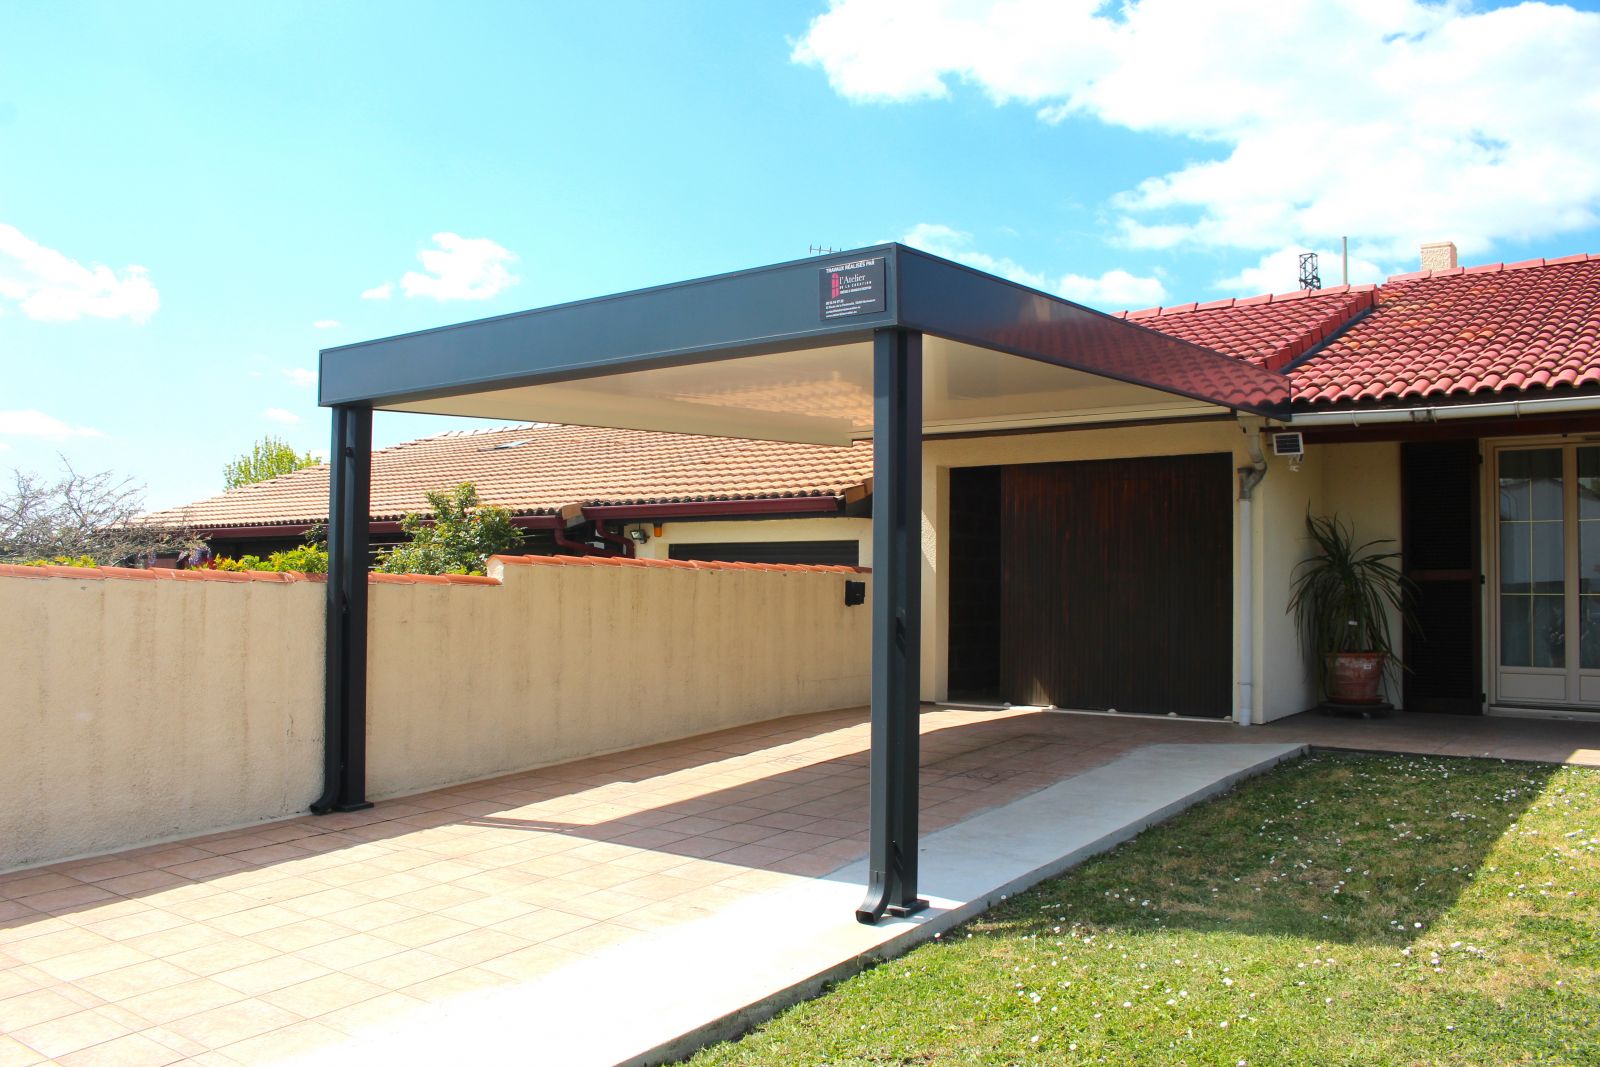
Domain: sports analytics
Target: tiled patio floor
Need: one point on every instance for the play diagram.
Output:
(249, 946)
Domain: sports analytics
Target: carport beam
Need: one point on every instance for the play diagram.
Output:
(896, 623)
(345, 664)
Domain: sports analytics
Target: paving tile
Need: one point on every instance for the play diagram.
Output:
(126, 982)
(255, 920)
(239, 1021)
(350, 951)
(372, 915)
(293, 1040)
(319, 996)
(302, 934)
(174, 1002)
(275, 973)
(533, 962)
(75, 965)
(32, 884)
(60, 942)
(131, 1050)
(403, 969)
(456, 984)
(369, 1015)
(30, 1009)
(219, 956)
(69, 1033)
(477, 946)
(14, 1053)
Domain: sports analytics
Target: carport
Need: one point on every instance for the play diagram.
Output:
(883, 342)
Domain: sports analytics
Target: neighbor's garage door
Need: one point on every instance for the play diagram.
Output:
(1114, 583)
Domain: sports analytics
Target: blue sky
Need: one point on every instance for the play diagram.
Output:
(195, 199)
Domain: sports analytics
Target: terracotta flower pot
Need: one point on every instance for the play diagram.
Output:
(1354, 677)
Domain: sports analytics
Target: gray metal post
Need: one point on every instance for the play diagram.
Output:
(896, 623)
(345, 664)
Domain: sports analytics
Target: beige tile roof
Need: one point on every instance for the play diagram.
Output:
(539, 469)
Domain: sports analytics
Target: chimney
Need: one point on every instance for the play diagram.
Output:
(1439, 255)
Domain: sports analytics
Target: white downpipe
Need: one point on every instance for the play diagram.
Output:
(1249, 478)
(1498, 409)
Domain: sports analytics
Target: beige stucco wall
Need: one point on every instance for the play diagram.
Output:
(565, 661)
(1283, 684)
(828, 528)
(133, 711)
(1361, 484)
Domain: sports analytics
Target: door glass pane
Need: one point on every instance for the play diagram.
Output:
(1516, 570)
(1589, 632)
(1533, 557)
(1549, 631)
(1545, 469)
(1589, 482)
(1515, 504)
(1516, 634)
(1588, 490)
(1549, 559)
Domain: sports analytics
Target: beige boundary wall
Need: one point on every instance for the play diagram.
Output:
(137, 706)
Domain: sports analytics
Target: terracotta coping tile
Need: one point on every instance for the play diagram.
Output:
(699, 565)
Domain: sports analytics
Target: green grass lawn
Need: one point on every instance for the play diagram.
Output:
(1340, 910)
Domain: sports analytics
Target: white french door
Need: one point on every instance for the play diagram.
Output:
(1546, 574)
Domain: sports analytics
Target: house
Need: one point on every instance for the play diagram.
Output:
(587, 490)
(1450, 410)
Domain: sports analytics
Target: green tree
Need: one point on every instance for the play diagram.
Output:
(459, 537)
(268, 458)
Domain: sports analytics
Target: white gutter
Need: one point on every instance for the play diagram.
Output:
(1438, 412)
(1249, 478)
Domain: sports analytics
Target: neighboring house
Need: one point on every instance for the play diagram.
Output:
(581, 490)
(1102, 557)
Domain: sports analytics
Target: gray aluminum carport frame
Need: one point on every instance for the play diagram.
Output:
(765, 312)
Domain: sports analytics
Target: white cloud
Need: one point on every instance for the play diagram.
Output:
(30, 423)
(1114, 290)
(1393, 122)
(326, 324)
(283, 415)
(300, 376)
(461, 268)
(47, 285)
(378, 292)
(1279, 272)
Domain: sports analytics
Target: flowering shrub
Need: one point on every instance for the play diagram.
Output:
(306, 559)
(61, 561)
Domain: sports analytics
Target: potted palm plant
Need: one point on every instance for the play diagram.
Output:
(1341, 601)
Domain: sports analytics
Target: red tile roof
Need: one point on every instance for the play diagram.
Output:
(1446, 335)
(1431, 335)
(1269, 331)
(540, 469)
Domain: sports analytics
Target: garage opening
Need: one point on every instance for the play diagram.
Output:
(1094, 585)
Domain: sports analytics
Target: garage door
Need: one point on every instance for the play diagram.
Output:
(1095, 585)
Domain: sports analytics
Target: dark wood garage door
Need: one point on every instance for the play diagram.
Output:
(1114, 584)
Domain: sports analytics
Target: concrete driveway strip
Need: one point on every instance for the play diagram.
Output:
(658, 997)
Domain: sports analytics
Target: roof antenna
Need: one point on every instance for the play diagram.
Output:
(819, 250)
(1344, 247)
(1309, 278)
